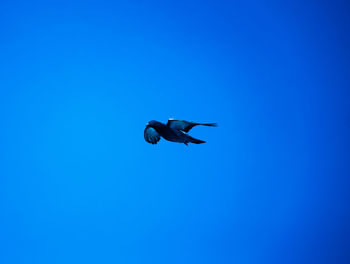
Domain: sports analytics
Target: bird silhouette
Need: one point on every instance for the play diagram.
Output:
(174, 130)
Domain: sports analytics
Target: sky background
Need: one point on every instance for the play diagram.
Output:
(80, 79)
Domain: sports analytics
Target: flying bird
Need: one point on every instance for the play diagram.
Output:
(174, 130)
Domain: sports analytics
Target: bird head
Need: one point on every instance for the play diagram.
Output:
(153, 124)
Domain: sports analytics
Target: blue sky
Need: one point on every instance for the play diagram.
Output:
(80, 79)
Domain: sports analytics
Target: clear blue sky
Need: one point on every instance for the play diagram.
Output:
(80, 79)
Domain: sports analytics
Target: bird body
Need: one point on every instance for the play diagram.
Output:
(174, 131)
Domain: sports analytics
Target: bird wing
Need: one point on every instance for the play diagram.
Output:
(151, 135)
(185, 125)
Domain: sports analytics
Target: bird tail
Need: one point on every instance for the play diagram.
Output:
(194, 140)
(209, 124)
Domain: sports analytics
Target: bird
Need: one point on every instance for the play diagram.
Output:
(174, 130)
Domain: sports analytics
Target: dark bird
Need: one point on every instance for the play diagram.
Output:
(174, 130)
